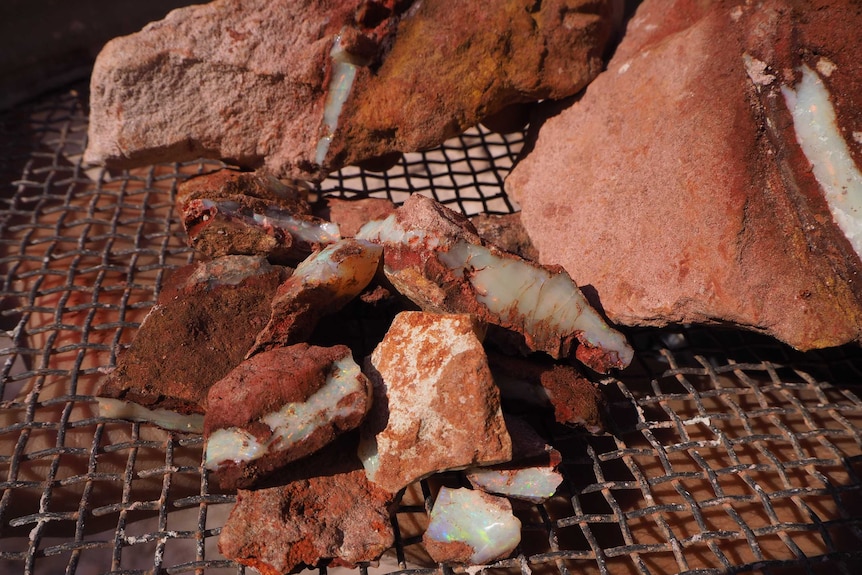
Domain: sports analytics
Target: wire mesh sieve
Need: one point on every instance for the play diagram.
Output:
(726, 452)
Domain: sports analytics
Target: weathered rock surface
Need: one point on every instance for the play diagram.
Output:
(677, 188)
(434, 257)
(201, 327)
(435, 404)
(280, 406)
(325, 509)
(306, 87)
(351, 215)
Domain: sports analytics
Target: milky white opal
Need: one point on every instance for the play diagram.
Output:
(533, 484)
(816, 127)
(164, 418)
(482, 521)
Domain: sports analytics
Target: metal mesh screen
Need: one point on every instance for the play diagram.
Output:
(726, 451)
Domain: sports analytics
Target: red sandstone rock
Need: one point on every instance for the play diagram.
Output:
(676, 186)
(435, 405)
(336, 513)
(203, 324)
(258, 82)
(283, 404)
(350, 215)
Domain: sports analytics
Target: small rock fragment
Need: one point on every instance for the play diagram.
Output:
(472, 527)
(531, 475)
(434, 257)
(435, 405)
(575, 399)
(279, 406)
(320, 285)
(507, 233)
(325, 509)
(351, 215)
(229, 212)
(202, 325)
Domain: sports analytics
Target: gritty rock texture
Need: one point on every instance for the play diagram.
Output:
(263, 385)
(250, 81)
(506, 232)
(334, 513)
(240, 213)
(435, 404)
(350, 215)
(676, 187)
(201, 327)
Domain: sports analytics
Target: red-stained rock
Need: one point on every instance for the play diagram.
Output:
(250, 81)
(506, 232)
(289, 402)
(203, 324)
(676, 186)
(350, 215)
(435, 405)
(334, 512)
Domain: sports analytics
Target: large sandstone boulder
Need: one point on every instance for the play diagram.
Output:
(687, 185)
(307, 86)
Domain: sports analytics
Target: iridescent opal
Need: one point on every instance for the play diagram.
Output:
(480, 521)
(533, 484)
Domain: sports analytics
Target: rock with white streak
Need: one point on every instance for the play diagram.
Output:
(305, 87)
(435, 404)
(711, 174)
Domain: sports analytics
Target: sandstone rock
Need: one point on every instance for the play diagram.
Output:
(280, 406)
(434, 257)
(676, 186)
(307, 87)
(351, 215)
(325, 509)
(201, 327)
(506, 232)
(435, 405)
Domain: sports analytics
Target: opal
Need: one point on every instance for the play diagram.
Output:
(482, 522)
(533, 484)
(164, 418)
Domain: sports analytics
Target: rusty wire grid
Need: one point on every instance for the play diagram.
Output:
(726, 452)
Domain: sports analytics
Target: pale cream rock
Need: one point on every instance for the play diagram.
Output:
(533, 484)
(164, 418)
(435, 404)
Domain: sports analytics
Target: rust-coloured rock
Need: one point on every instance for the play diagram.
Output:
(676, 186)
(435, 404)
(306, 87)
(350, 215)
(506, 232)
(201, 327)
(325, 509)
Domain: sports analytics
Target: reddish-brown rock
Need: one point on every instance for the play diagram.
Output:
(201, 327)
(258, 82)
(435, 404)
(506, 232)
(676, 186)
(326, 509)
(280, 406)
(350, 215)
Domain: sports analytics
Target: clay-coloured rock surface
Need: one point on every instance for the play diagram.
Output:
(325, 509)
(676, 186)
(308, 86)
(435, 404)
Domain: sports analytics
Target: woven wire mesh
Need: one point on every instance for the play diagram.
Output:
(726, 452)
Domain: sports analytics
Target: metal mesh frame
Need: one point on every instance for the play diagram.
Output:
(726, 451)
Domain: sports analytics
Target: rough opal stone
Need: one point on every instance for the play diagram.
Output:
(471, 526)
(533, 484)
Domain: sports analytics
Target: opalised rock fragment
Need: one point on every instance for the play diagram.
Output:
(324, 509)
(469, 526)
(229, 212)
(305, 87)
(203, 324)
(279, 406)
(321, 284)
(164, 418)
(690, 193)
(351, 215)
(531, 475)
(435, 405)
(506, 232)
(434, 257)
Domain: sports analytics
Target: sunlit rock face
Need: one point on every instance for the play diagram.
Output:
(435, 405)
(279, 406)
(434, 257)
(305, 87)
(685, 186)
(471, 527)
